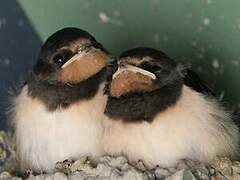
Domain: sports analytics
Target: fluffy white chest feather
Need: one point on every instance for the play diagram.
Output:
(195, 128)
(45, 137)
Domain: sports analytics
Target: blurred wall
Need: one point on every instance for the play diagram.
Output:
(204, 32)
(18, 47)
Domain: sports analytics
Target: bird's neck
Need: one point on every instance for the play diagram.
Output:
(143, 106)
(56, 95)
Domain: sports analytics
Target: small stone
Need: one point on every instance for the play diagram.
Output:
(79, 164)
(76, 176)
(223, 165)
(188, 175)
(3, 153)
(114, 162)
(201, 175)
(236, 167)
(172, 170)
(59, 176)
(176, 176)
(64, 166)
(161, 173)
(182, 165)
(149, 175)
(198, 169)
(5, 175)
(140, 165)
(212, 171)
(28, 173)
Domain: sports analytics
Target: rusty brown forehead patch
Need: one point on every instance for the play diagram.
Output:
(129, 81)
(87, 66)
(135, 60)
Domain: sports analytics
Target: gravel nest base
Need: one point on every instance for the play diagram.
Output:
(117, 168)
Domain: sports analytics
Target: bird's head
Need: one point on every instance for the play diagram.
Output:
(141, 83)
(70, 55)
(71, 66)
(143, 70)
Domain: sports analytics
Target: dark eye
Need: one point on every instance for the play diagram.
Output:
(152, 68)
(62, 57)
(157, 68)
(59, 59)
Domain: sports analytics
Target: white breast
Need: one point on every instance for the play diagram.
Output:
(45, 137)
(195, 128)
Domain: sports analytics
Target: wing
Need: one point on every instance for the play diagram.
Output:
(192, 80)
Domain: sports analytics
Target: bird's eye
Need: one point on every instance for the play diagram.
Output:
(62, 57)
(152, 68)
(59, 59)
(157, 68)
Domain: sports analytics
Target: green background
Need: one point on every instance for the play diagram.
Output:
(205, 33)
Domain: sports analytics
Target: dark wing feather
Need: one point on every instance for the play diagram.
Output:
(192, 80)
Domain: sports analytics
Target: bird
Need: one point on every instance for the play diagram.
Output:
(161, 112)
(56, 114)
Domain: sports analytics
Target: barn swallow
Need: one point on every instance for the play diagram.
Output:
(57, 112)
(161, 112)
